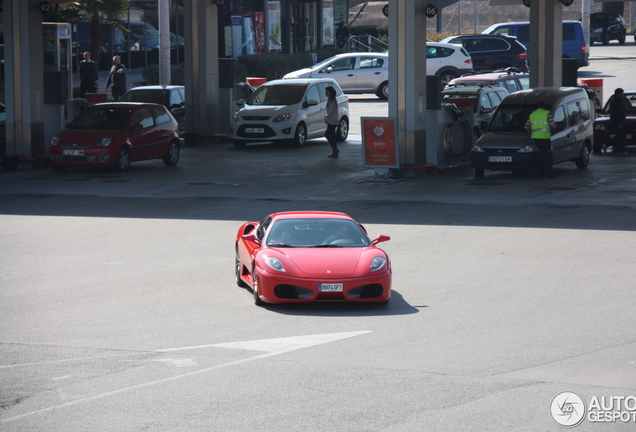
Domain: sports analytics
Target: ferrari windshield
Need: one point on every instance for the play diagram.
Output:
(102, 118)
(510, 118)
(316, 233)
(280, 94)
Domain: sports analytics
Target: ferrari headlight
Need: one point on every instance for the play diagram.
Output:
(527, 149)
(378, 263)
(105, 142)
(55, 141)
(477, 149)
(275, 264)
(281, 118)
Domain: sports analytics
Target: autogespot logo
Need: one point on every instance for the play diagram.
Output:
(568, 409)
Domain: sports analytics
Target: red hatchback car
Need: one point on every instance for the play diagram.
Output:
(311, 256)
(603, 131)
(115, 134)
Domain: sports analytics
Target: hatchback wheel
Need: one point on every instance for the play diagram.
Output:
(300, 136)
(343, 130)
(172, 157)
(123, 160)
(383, 90)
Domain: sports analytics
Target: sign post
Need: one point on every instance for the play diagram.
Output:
(380, 144)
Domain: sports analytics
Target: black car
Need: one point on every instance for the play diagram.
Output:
(492, 52)
(172, 97)
(607, 26)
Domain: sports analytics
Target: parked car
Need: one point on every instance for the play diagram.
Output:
(603, 132)
(574, 45)
(172, 97)
(492, 52)
(510, 79)
(288, 110)
(358, 73)
(485, 100)
(294, 257)
(116, 134)
(355, 73)
(607, 26)
(506, 145)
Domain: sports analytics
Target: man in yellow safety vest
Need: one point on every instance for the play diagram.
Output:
(540, 124)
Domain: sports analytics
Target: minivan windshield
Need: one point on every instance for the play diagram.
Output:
(510, 118)
(279, 94)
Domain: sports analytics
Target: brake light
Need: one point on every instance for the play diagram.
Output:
(468, 61)
(523, 55)
(583, 48)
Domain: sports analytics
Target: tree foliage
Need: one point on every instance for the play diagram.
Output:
(95, 11)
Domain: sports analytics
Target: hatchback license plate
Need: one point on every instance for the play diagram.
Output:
(74, 153)
(499, 158)
(330, 287)
(254, 130)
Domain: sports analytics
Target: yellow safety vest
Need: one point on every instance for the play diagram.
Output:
(539, 124)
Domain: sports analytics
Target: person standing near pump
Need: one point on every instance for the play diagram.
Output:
(540, 124)
(88, 75)
(618, 117)
(331, 118)
(117, 78)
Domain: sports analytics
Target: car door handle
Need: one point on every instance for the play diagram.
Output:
(377, 73)
(350, 75)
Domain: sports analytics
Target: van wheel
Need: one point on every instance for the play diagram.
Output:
(584, 159)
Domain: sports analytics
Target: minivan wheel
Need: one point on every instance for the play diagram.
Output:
(300, 136)
(584, 159)
(343, 130)
(383, 91)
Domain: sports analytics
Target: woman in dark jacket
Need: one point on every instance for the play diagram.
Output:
(331, 118)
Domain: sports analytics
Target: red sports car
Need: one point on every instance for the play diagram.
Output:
(311, 256)
(115, 134)
(603, 131)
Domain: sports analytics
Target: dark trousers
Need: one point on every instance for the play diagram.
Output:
(619, 140)
(87, 86)
(545, 156)
(117, 92)
(330, 134)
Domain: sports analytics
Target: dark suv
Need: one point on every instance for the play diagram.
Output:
(492, 52)
(607, 26)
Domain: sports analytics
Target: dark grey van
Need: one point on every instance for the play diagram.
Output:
(506, 145)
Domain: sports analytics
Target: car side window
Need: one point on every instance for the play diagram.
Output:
(577, 114)
(485, 102)
(525, 83)
(262, 227)
(437, 52)
(313, 94)
(175, 98)
(143, 117)
(497, 45)
(559, 116)
(342, 64)
(371, 62)
(494, 99)
(504, 30)
(511, 86)
(161, 115)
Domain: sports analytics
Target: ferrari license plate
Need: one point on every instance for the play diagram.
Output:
(254, 130)
(330, 287)
(73, 152)
(499, 158)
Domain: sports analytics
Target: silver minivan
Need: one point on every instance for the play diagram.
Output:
(506, 145)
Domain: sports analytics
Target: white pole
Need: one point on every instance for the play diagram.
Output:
(585, 22)
(164, 42)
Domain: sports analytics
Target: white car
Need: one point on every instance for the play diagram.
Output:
(356, 73)
(288, 110)
(369, 72)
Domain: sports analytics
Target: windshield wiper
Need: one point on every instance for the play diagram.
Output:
(326, 246)
(279, 245)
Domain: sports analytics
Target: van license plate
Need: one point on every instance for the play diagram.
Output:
(330, 287)
(254, 130)
(499, 158)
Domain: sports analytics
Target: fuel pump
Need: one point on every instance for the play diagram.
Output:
(58, 77)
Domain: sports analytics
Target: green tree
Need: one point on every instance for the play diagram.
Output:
(95, 11)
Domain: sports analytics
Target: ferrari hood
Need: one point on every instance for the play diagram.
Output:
(317, 262)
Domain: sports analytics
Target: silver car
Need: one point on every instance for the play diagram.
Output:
(290, 110)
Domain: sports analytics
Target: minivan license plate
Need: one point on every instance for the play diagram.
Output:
(499, 158)
(330, 287)
(254, 130)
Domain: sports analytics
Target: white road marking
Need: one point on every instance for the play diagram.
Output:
(272, 347)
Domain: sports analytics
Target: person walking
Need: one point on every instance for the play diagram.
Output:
(117, 78)
(618, 119)
(88, 75)
(540, 124)
(331, 118)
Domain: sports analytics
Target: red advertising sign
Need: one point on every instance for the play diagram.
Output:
(380, 143)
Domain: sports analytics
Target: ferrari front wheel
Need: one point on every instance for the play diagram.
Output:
(257, 299)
